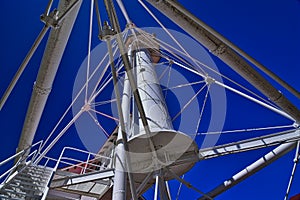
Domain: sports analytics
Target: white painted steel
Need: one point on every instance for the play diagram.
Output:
(251, 169)
(119, 188)
(151, 95)
(169, 144)
(250, 144)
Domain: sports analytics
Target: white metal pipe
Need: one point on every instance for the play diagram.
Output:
(239, 92)
(156, 186)
(23, 66)
(123, 9)
(250, 144)
(120, 178)
(61, 133)
(52, 56)
(280, 112)
(296, 160)
(119, 187)
(251, 169)
(123, 163)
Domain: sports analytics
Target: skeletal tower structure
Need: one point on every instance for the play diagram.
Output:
(144, 149)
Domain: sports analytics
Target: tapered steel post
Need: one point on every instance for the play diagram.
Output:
(55, 47)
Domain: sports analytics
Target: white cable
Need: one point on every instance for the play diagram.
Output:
(247, 130)
(168, 47)
(100, 103)
(241, 93)
(105, 115)
(202, 109)
(93, 95)
(179, 188)
(122, 7)
(89, 51)
(166, 30)
(98, 124)
(184, 85)
(189, 102)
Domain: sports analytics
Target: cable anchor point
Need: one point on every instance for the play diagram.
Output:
(209, 80)
(106, 32)
(51, 20)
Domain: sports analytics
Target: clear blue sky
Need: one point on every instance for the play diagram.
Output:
(267, 30)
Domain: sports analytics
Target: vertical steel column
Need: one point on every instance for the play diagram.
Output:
(128, 68)
(163, 191)
(119, 188)
(160, 189)
(156, 186)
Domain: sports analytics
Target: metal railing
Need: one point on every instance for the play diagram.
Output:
(85, 162)
(88, 162)
(23, 157)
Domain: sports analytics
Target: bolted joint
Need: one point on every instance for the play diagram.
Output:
(41, 90)
(51, 19)
(86, 107)
(146, 41)
(209, 80)
(296, 125)
(219, 50)
(119, 141)
(106, 32)
(130, 25)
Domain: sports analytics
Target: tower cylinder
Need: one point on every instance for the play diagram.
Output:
(151, 94)
(163, 146)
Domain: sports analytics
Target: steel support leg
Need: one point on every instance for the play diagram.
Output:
(251, 169)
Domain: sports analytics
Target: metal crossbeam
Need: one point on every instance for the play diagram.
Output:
(250, 144)
(251, 169)
(83, 178)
